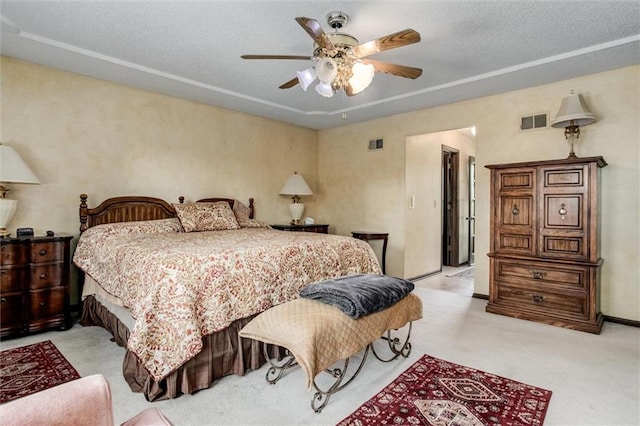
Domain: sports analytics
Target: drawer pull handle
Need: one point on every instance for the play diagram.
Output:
(536, 298)
(42, 303)
(538, 275)
(43, 252)
(3, 272)
(515, 211)
(43, 276)
(563, 211)
(2, 300)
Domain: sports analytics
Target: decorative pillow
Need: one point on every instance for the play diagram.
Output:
(158, 226)
(196, 217)
(242, 216)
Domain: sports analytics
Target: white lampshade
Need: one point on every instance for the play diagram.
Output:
(362, 77)
(13, 170)
(573, 112)
(306, 77)
(324, 89)
(296, 186)
(326, 70)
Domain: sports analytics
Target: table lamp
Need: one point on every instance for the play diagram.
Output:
(573, 113)
(12, 170)
(296, 186)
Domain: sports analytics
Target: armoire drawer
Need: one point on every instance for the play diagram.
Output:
(541, 274)
(574, 304)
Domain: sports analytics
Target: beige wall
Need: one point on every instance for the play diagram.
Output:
(84, 135)
(367, 190)
(423, 185)
(80, 134)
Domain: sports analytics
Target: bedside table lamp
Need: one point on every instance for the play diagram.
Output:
(12, 170)
(296, 186)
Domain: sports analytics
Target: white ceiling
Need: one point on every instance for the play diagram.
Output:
(192, 49)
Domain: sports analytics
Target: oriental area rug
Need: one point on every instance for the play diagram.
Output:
(437, 392)
(31, 369)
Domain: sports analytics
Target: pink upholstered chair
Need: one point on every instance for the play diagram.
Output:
(86, 401)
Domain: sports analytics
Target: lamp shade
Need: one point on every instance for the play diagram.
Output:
(327, 70)
(362, 77)
(13, 169)
(306, 77)
(324, 89)
(573, 112)
(296, 185)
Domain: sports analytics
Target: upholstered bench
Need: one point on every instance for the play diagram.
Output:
(317, 335)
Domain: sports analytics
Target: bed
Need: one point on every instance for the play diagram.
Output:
(175, 292)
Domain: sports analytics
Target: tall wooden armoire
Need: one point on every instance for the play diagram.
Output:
(545, 258)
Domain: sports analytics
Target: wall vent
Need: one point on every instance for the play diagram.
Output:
(534, 122)
(375, 144)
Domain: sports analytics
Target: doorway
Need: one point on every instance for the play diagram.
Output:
(437, 196)
(450, 235)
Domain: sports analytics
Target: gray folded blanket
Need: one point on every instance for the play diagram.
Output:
(359, 295)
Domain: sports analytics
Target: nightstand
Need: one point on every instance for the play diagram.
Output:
(367, 236)
(320, 229)
(34, 284)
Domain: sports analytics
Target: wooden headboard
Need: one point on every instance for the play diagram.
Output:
(135, 208)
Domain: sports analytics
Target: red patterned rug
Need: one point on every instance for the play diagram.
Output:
(32, 368)
(436, 392)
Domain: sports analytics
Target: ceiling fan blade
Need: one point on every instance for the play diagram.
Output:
(394, 69)
(313, 28)
(289, 84)
(391, 41)
(275, 57)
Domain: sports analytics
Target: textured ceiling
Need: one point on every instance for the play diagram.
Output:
(192, 49)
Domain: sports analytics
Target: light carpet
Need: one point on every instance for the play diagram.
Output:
(594, 378)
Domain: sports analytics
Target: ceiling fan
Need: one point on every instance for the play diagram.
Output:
(340, 62)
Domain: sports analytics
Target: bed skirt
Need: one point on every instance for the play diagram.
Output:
(223, 353)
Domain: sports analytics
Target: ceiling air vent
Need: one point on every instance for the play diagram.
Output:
(375, 144)
(534, 122)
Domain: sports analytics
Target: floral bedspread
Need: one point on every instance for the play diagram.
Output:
(181, 286)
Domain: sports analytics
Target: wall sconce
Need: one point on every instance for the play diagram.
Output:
(12, 170)
(573, 113)
(296, 186)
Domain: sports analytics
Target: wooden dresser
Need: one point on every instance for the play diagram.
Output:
(545, 258)
(34, 276)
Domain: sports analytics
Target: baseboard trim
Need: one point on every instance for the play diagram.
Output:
(427, 275)
(622, 321)
(480, 296)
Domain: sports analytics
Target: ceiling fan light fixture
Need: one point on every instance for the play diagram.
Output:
(306, 77)
(324, 89)
(362, 77)
(327, 70)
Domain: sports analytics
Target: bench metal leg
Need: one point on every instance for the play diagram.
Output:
(394, 345)
(321, 397)
(275, 371)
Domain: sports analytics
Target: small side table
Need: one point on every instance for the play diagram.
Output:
(367, 236)
(317, 228)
